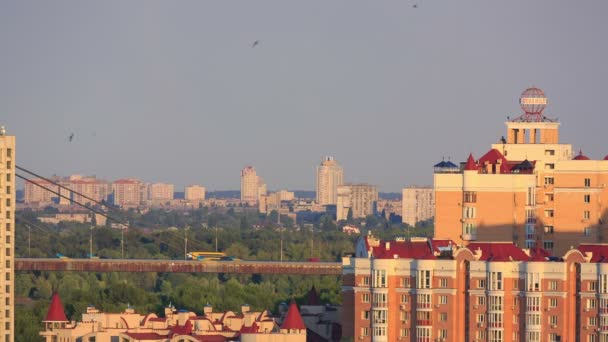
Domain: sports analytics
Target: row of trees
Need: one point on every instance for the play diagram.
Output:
(161, 234)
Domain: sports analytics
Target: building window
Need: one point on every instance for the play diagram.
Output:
(603, 280)
(481, 318)
(552, 302)
(548, 244)
(549, 213)
(553, 320)
(495, 303)
(587, 198)
(587, 231)
(591, 303)
(532, 282)
(379, 279)
(443, 317)
(548, 229)
(550, 166)
(495, 280)
(549, 152)
(481, 300)
(8, 252)
(405, 299)
(405, 332)
(592, 285)
(8, 227)
(365, 315)
(549, 180)
(443, 299)
(481, 284)
(8, 202)
(515, 284)
(470, 197)
(469, 212)
(587, 182)
(548, 197)
(365, 298)
(593, 320)
(443, 334)
(364, 331)
(424, 279)
(365, 281)
(553, 285)
(443, 283)
(586, 214)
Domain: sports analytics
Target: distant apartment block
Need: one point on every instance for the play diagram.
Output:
(252, 186)
(129, 192)
(330, 175)
(389, 207)
(358, 198)
(273, 201)
(89, 187)
(418, 204)
(36, 195)
(160, 192)
(195, 193)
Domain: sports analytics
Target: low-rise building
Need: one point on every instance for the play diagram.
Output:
(175, 326)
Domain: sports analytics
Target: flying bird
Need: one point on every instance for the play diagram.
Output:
(71, 137)
(255, 43)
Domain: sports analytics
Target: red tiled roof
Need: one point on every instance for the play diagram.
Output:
(185, 329)
(56, 313)
(471, 165)
(498, 251)
(600, 252)
(408, 249)
(293, 319)
(492, 157)
(210, 338)
(145, 336)
(158, 319)
(251, 329)
(539, 254)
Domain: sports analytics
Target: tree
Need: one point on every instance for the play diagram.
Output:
(349, 216)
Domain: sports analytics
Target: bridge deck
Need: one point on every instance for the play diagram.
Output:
(178, 266)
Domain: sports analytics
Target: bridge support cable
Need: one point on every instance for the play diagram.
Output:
(63, 187)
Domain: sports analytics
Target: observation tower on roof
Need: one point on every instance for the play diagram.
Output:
(533, 126)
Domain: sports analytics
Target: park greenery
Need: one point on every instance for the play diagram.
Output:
(162, 234)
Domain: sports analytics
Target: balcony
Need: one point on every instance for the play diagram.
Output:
(424, 322)
(423, 306)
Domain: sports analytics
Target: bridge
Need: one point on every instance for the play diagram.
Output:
(178, 266)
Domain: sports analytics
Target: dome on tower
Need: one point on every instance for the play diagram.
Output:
(580, 156)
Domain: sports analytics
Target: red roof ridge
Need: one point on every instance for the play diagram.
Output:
(56, 313)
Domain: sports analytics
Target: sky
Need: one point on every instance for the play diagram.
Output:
(174, 91)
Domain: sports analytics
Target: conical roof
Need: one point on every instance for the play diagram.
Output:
(293, 320)
(312, 298)
(470, 165)
(56, 313)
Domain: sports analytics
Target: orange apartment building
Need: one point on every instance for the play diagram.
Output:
(427, 290)
(527, 188)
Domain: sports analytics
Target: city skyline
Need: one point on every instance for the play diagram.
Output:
(370, 84)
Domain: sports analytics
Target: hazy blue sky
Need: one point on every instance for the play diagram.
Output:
(172, 91)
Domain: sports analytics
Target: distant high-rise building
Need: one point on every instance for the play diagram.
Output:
(36, 195)
(128, 192)
(329, 176)
(160, 192)
(252, 186)
(7, 224)
(358, 198)
(418, 204)
(195, 193)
